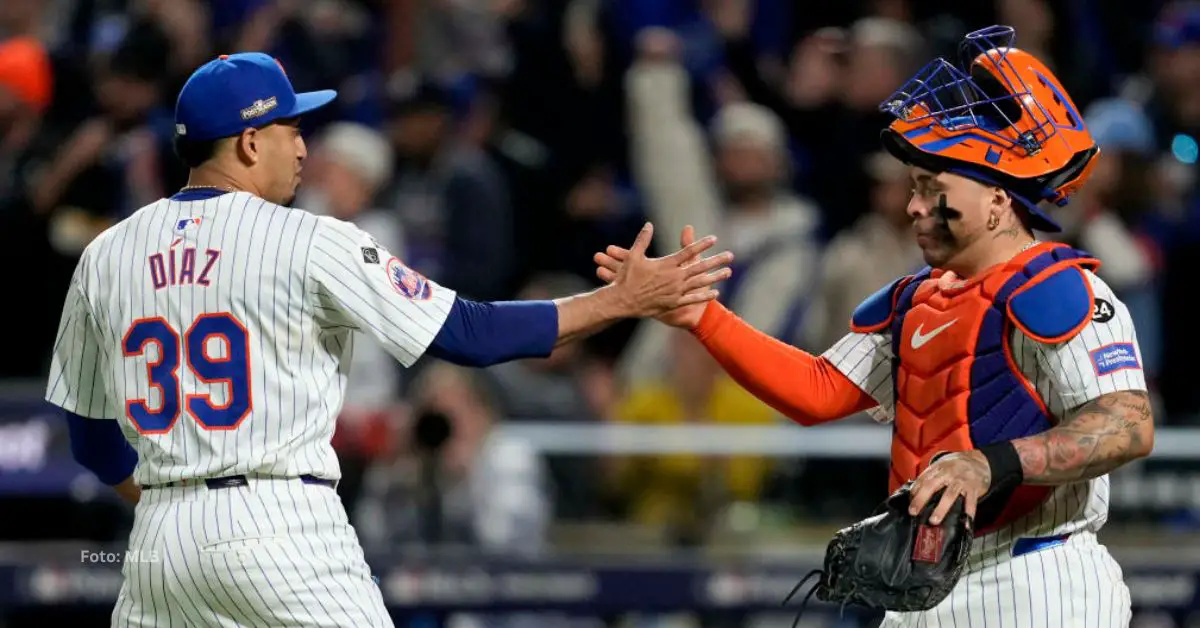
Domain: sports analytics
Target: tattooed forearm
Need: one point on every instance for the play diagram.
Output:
(1101, 436)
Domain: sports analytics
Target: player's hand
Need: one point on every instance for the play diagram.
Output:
(966, 474)
(610, 263)
(129, 490)
(653, 286)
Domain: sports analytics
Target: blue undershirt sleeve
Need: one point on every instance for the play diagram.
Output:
(101, 448)
(482, 334)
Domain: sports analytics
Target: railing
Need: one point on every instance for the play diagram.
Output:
(783, 440)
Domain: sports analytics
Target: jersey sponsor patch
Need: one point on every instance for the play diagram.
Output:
(370, 255)
(928, 546)
(407, 281)
(1114, 357)
(1102, 311)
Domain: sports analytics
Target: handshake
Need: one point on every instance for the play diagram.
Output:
(674, 289)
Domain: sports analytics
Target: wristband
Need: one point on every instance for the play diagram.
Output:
(1005, 464)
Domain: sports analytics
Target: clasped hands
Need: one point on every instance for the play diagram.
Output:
(686, 278)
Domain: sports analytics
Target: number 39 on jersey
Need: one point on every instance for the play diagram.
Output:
(215, 349)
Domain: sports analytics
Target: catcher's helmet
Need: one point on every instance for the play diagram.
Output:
(1001, 118)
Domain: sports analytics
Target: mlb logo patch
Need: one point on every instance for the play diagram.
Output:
(187, 223)
(407, 281)
(1114, 357)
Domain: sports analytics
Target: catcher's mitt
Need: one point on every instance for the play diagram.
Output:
(894, 561)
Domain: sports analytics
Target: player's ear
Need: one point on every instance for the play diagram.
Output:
(999, 202)
(247, 146)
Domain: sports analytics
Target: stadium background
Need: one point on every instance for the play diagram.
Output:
(496, 144)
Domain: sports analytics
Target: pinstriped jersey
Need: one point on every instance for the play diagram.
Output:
(219, 333)
(1102, 358)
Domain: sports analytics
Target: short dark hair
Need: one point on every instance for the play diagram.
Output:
(193, 153)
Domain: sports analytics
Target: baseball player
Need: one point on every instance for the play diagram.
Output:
(204, 348)
(1010, 372)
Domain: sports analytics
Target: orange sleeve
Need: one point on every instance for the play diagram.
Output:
(805, 388)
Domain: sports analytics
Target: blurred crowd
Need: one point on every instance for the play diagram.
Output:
(496, 144)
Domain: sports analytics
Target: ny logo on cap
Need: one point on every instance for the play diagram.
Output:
(259, 108)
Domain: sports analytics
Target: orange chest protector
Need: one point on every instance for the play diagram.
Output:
(956, 383)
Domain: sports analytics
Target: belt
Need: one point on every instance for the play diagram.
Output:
(1037, 543)
(233, 481)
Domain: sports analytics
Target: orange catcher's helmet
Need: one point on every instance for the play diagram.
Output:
(1001, 118)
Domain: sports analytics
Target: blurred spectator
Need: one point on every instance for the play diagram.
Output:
(110, 164)
(805, 94)
(558, 116)
(460, 37)
(600, 208)
(563, 96)
(26, 89)
(1172, 100)
(491, 489)
(348, 165)
(567, 387)
(1035, 23)
(738, 190)
(883, 54)
(26, 85)
(240, 25)
(451, 197)
(828, 100)
(1174, 67)
(1108, 217)
(186, 24)
(872, 253)
(686, 493)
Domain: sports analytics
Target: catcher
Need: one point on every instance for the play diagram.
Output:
(1010, 371)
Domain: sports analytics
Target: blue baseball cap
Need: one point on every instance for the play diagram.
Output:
(236, 92)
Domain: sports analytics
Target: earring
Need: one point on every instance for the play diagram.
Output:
(993, 222)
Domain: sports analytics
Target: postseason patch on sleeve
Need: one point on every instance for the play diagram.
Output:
(1114, 357)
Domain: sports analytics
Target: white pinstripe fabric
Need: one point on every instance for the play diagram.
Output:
(1019, 592)
(1074, 585)
(300, 285)
(275, 553)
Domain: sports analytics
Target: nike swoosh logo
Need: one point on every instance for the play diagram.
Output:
(919, 339)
